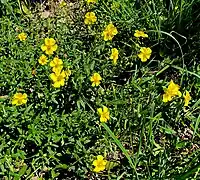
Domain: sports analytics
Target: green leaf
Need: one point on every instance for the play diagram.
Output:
(168, 130)
(181, 144)
(23, 170)
(118, 144)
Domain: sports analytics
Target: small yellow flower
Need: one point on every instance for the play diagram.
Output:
(114, 55)
(19, 99)
(95, 79)
(90, 18)
(99, 163)
(140, 34)
(171, 91)
(22, 36)
(62, 4)
(109, 32)
(49, 46)
(58, 79)
(56, 64)
(43, 60)
(187, 98)
(104, 114)
(144, 54)
(91, 1)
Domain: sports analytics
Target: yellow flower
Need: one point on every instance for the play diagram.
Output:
(99, 163)
(104, 114)
(109, 32)
(90, 18)
(144, 54)
(91, 1)
(56, 64)
(171, 91)
(62, 4)
(167, 97)
(49, 46)
(140, 34)
(187, 98)
(114, 55)
(43, 60)
(58, 79)
(95, 79)
(19, 99)
(22, 36)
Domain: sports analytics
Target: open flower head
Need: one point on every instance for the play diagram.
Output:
(187, 98)
(43, 60)
(171, 91)
(99, 163)
(90, 18)
(56, 64)
(19, 99)
(91, 1)
(144, 54)
(58, 79)
(114, 55)
(49, 46)
(109, 32)
(96, 79)
(140, 34)
(104, 114)
(22, 36)
(62, 4)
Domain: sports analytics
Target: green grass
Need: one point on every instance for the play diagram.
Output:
(57, 133)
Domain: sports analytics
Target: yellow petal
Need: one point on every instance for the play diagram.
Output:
(53, 77)
(96, 169)
(142, 57)
(14, 101)
(49, 51)
(99, 157)
(97, 83)
(55, 47)
(43, 47)
(105, 109)
(24, 101)
(56, 84)
(99, 110)
(179, 94)
(103, 119)
(95, 162)
(49, 41)
(104, 162)
(24, 95)
(62, 82)
(166, 97)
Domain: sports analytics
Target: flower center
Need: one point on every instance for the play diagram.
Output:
(96, 79)
(59, 78)
(49, 47)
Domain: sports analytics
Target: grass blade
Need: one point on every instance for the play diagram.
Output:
(118, 144)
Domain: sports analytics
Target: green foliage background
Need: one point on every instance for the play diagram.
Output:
(57, 134)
